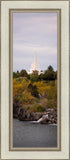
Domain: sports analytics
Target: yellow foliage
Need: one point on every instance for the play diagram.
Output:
(47, 90)
(42, 87)
(18, 87)
(27, 97)
(20, 91)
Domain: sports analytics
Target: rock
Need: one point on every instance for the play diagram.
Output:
(15, 112)
(25, 115)
(38, 115)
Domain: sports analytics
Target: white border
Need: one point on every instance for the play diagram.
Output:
(5, 6)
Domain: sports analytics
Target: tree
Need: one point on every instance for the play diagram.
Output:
(14, 75)
(34, 76)
(18, 74)
(50, 68)
(23, 73)
(41, 76)
(35, 72)
(33, 90)
(49, 74)
(55, 74)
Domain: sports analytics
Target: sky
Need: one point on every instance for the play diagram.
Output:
(34, 32)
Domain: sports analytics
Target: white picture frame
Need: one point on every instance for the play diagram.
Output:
(65, 147)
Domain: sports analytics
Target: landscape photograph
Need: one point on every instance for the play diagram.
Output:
(35, 80)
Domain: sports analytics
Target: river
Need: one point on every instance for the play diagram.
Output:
(28, 134)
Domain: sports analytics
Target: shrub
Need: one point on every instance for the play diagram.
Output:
(37, 108)
(52, 103)
(40, 108)
(40, 94)
(33, 90)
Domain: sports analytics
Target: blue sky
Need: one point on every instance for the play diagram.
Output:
(34, 31)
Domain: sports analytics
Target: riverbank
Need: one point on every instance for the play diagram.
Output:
(47, 117)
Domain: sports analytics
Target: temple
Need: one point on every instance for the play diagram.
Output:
(34, 65)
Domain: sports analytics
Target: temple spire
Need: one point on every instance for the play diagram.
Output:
(34, 66)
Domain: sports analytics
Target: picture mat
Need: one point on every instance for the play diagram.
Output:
(64, 81)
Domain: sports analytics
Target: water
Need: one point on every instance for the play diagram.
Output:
(28, 134)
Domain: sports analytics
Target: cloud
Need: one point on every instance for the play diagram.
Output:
(41, 24)
(26, 48)
(34, 31)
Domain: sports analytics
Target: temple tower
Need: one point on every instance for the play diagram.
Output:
(34, 65)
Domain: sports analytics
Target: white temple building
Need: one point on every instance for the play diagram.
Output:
(34, 65)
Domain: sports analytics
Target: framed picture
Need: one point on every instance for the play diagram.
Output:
(35, 80)
(33, 84)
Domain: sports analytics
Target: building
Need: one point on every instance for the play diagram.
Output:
(34, 65)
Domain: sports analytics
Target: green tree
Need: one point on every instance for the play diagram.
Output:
(41, 76)
(35, 72)
(18, 74)
(55, 74)
(50, 68)
(14, 75)
(49, 75)
(34, 77)
(23, 73)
